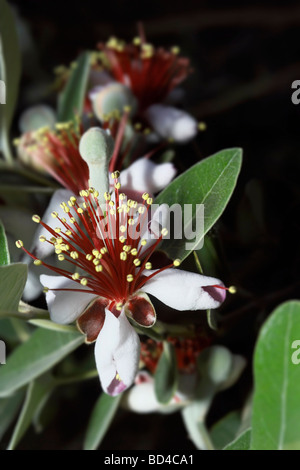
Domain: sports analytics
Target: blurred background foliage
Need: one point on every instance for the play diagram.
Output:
(245, 56)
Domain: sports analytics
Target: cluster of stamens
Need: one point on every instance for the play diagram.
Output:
(103, 243)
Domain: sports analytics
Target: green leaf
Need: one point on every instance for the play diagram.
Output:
(225, 430)
(242, 442)
(276, 405)
(210, 182)
(41, 352)
(72, 98)
(166, 375)
(12, 280)
(4, 253)
(101, 418)
(8, 410)
(10, 72)
(37, 393)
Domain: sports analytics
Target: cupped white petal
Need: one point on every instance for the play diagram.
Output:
(41, 250)
(183, 290)
(145, 175)
(65, 306)
(117, 353)
(172, 123)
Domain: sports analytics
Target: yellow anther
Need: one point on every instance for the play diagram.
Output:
(112, 212)
(57, 230)
(61, 257)
(126, 248)
(92, 190)
(72, 220)
(122, 239)
(149, 201)
(164, 232)
(147, 131)
(131, 221)
(148, 266)
(122, 196)
(73, 199)
(202, 126)
(83, 281)
(74, 254)
(63, 220)
(138, 126)
(137, 41)
(107, 196)
(145, 196)
(79, 210)
(111, 203)
(95, 252)
(123, 256)
(96, 261)
(134, 252)
(75, 276)
(36, 219)
(141, 209)
(58, 251)
(118, 185)
(59, 240)
(96, 194)
(136, 262)
(143, 242)
(98, 268)
(54, 214)
(127, 109)
(19, 244)
(232, 290)
(53, 240)
(177, 262)
(45, 290)
(119, 306)
(37, 262)
(122, 228)
(103, 251)
(129, 277)
(175, 50)
(89, 257)
(83, 193)
(68, 232)
(115, 175)
(42, 238)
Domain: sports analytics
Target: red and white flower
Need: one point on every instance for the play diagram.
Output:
(110, 248)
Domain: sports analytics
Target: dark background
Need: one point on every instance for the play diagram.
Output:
(245, 57)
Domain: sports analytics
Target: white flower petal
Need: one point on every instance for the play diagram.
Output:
(183, 290)
(160, 219)
(142, 399)
(41, 250)
(145, 175)
(117, 351)
(64, 306)
(172, 123)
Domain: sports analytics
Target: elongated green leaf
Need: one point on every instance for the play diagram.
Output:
(101, 418)
(276, 405)
(242, 442)
(210, 182)
(4, 253)
(166, 375)
(37, 392)
(225, 430)
(40, 353)
(10, 71)
(12, 280)
(8, 410)
(72, 98)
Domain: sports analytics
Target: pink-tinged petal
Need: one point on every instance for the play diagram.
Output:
(172, 123)
(117, 353)
(141, 310)
(145, 175)
(183, 290)
(91, 321)
(41, 250)
(64, 306)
